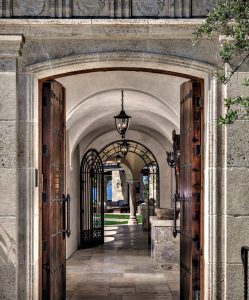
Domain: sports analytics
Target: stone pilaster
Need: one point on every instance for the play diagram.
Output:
(120, 8)
(10, 49)
(236, 188)
(6, 8)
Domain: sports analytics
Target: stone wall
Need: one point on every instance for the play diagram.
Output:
(234, 173)
(165, 249)
(105, 8)
(15, 166)
(59, 47)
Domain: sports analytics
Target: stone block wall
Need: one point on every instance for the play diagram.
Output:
(237, 192)
(10, 164)
(227, 213)
(105, 8)
(165, 249)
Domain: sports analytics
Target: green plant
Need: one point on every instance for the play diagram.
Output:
(231, 19)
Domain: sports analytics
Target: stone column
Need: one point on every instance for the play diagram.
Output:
(133, 208)
(10, 154)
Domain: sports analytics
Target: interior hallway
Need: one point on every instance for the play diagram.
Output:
(121, 269)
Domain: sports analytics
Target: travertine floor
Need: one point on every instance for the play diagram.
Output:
(120, 270)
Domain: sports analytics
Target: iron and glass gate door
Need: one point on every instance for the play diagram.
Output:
(53, 199)
(91, 200)
(191, 190)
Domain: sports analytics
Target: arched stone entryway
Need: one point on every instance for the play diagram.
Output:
(197, 70)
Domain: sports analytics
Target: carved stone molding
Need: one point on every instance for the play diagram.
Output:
(31, 7)
(11, 45)
(91, 7)
(105, 8)
(148, 7)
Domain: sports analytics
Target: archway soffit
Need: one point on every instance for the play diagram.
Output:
(76, 107)
(103, 61)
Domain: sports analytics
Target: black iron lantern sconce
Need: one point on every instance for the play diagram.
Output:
(171, 160)
(124, 147)
(122, 120)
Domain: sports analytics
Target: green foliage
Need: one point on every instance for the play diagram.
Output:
(121, 219)
(231, 19)
(237, 109)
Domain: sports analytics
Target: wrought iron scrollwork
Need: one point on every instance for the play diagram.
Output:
(173, 160)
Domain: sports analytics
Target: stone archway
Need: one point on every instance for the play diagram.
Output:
(160, 63)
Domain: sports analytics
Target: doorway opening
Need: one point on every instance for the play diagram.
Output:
(89, 126)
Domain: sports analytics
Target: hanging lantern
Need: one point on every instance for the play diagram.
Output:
(118, 159)
(122, 120)
(124, 147)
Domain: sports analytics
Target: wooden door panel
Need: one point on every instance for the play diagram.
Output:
(190, 189)
(53, 169)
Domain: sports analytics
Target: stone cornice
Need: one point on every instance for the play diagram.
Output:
(138, 29)
(11, 45)
(144, 21)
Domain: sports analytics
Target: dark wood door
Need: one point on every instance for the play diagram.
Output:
(53, 172)
(191, 190)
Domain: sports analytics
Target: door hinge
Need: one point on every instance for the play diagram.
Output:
(36, 177)
(198, 102)
(198, 197)
(44, 101)
(44, 197)
(44, 246)
(198, 149)
(44, 149)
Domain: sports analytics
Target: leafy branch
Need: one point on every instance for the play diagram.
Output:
(230, 19)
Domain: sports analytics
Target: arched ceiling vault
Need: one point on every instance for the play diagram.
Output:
(153, 101)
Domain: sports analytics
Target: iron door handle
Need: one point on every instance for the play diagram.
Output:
(68, 230)
(66, 215)
(175, 200)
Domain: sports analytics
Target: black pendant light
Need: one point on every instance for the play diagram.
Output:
(122, 120)
(124, 147)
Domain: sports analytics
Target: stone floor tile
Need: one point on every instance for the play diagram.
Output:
(175, 295)
(69, 294)
(122, 291)
(120, 270)
(86, 297)
(148, 297)
(91, 290)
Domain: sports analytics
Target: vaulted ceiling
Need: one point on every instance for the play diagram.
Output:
(153, 101)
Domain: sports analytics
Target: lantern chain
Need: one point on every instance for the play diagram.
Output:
(122, 100)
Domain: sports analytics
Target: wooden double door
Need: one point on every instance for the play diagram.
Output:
(55, 210)
(53, 256)
(191, 191)
(53, 265)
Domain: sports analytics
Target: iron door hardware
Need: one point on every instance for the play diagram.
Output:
(66, 202)
(173, 160)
